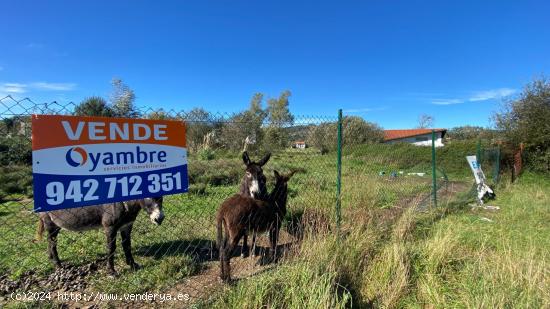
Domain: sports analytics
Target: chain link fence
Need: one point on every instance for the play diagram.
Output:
(180, 255)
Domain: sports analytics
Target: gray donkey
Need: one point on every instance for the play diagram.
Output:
(112, 217)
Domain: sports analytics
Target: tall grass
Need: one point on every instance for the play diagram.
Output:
(447, 258)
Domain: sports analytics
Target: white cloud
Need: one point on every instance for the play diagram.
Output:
(13, 88)
(447, 101)
(485, 95)
(491, 94)
(53, 86)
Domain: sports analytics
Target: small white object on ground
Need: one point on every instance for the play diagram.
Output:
(416, 174)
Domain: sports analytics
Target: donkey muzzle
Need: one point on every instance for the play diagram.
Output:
(157, 217)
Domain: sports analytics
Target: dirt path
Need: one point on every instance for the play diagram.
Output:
(205, 284)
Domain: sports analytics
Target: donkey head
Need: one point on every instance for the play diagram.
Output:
(153, 207)
(280, 191)
(254, 181)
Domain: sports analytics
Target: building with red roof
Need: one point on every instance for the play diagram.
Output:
(419, 137)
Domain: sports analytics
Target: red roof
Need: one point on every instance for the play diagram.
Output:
(398, 134)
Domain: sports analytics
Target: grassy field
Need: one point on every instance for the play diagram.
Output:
(453, 257)
(182, 245)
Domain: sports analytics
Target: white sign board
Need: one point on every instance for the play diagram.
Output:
(482, 187)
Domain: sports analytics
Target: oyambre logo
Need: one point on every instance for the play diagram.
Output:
(83, 156)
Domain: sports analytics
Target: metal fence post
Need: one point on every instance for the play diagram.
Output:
(339, 171)
(478, 151)
(496, 172)
(434, 176)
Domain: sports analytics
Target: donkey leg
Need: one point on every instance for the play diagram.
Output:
(222, 260)
(225, 258)
(254, 244)
(226, 266)
(110, 233)
(245, 249)
(53, 231)
(273, 238)
(125, 234)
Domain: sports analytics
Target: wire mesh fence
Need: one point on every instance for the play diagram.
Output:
(181, 254)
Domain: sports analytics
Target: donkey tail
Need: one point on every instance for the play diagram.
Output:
(219, 235)
(40, 229)
(224, 262)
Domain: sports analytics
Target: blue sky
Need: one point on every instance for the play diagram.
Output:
(387, 61)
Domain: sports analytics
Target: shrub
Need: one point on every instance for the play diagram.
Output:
(15, 150)
(15, 180)
(525, 120)
(356, 131)
(215, 172)
(206, 154)
(93, 106)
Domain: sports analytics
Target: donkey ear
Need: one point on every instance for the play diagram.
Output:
(246, 159)
(290, 175)
(265, 159)
(277, 175)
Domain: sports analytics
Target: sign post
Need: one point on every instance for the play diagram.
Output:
(82, 161)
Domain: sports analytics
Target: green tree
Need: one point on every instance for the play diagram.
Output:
(199, 123)
(356, 131)
(160, 114)
(525, 119)
(246, 126)
(278, 110)
(93, 106)
(8, 125)
(122, 100)
(470, 133)
(234, 132)
(15, 150)
(279, 116)
(253, 120)
(256, 110)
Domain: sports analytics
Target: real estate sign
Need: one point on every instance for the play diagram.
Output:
(476, 169)
(482, 188)
(81, 161)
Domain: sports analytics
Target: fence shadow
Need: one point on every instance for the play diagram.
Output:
(203, 250)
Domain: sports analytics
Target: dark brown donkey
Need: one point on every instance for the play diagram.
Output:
(253, 185)
(112, 217)
(239, 215)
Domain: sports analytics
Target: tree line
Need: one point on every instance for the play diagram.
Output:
(267, 124)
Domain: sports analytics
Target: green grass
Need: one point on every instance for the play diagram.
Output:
(503, 263)
(446, 258)
(451, 159)
(170, 252)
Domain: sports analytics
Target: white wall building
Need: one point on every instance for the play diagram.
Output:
(419, 137)
(299, 145)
